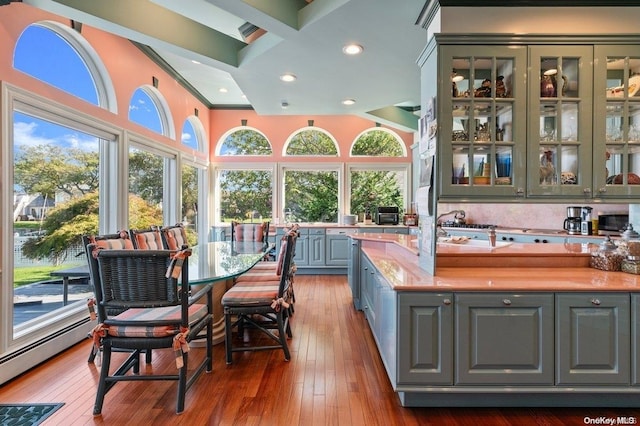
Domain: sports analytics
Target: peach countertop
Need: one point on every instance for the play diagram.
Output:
(396, 257)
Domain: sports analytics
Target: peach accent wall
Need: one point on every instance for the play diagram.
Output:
(127, 66)
(278, 128)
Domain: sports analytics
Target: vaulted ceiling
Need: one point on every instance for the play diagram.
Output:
(244, 46)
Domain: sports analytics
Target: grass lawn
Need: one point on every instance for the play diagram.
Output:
(31, 274)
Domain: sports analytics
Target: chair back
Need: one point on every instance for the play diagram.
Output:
(146, 239)
(174, 237)
(120, 240)
(285, 264)
(140, 279)
(243, 232)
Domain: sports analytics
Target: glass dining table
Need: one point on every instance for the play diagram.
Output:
(218, 263)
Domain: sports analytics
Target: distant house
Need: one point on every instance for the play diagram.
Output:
(31, 207)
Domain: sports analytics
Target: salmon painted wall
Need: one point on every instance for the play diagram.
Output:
(278, 129)
(127, 66)
(129, 69)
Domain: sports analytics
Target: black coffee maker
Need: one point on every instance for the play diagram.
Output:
(573, 222)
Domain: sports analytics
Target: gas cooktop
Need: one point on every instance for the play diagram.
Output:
(452, 224)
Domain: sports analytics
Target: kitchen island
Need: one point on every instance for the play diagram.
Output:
(515, 335)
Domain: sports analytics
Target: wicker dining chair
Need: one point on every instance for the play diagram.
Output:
(159, 312)
(118, 240)
(260, 306)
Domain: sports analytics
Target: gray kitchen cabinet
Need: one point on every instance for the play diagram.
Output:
(425, 345)
(504, 339)
(635, 338)
(302, 246)
(337, 247)
(616, 125)
(400, 230)
(482, 111)
(592, 338)
(538, 117)
(560, 134)
(367, 288)
(353, 271)
(316, 247)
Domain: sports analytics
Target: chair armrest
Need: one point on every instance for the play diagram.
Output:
(206, 288)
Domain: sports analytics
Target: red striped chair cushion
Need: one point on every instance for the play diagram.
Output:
(250, 295)
(196, 312)
(113, 243)
(149, 240)
(258, 275)
(175, 238)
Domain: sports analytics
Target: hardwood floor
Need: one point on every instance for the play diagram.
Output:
(335, 377)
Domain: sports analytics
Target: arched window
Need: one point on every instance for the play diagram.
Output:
(189, 136)
(244, 141)
(59, 56)
(149, 109)
(310, 141)
(378, 143)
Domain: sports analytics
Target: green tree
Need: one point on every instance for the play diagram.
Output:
(66, 223)
(49, 169)
(245, 191)
(311, 142)
(245, 142)
(377, 143)
(312, 196)
(146, 171)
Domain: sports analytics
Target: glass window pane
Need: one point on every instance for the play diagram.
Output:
(144, 111)
(56, 201)
(372, 188)
(190, 191)
(245, 142)
(245, 195)
(311, 196)
(377, 143)
(146, 177)
(311, 142)
(46, 55)
(189, 137)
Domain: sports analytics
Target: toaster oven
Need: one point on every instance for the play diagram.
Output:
(386, 215)
(612, 223)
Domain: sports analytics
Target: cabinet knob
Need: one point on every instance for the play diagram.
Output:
(586, 191)
(603, 189)
(506, 302)
(446, 302)
(520, 192)
(595, 302)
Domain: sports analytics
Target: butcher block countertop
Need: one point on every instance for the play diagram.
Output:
(513, 267)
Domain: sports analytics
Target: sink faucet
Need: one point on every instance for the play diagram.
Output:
(459, 214)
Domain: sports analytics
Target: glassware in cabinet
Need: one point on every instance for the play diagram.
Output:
(559, 155)
(480, 149)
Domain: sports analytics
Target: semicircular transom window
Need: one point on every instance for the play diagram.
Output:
(189, 135)
(144, 110)
(377, 143)
(46, 55)
(311, 142)
(245, 142)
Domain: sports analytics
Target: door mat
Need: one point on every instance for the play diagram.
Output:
(26, 414)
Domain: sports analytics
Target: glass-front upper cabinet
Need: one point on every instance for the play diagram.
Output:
(560, 120)
(482, 102)
(617, 125)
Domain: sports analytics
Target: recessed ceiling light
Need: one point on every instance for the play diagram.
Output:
(288, 77)
(348, 102)
(196, 62)
(352, 49)
(223, 90)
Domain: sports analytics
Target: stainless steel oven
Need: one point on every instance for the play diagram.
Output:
(612, 223)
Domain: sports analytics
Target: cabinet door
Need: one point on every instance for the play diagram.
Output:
(592, 338)
(616, 126)
(337, 250)
(635, 338)
(560, 121)
(482, 107)
(316, 247)
(504, 339)
(353, 271)
(425, 345)
(367, 288)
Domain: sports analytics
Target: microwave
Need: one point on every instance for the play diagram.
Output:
(612, 223)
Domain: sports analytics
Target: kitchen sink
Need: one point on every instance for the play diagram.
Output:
(545, 231)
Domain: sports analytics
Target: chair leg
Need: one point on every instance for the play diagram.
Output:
(102, 384)
(182, 383)
(283, 335)
(147, 356)
(227, 337)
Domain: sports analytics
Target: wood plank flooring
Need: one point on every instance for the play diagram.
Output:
(335, 377)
